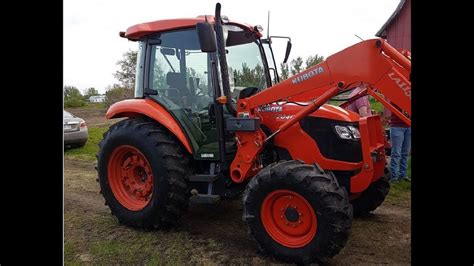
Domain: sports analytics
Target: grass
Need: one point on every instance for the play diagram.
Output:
(400, 191)
(124, 252)
(69, 251)
(107, 242)
(91, 148)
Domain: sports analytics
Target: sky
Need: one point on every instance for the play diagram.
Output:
(92, 45)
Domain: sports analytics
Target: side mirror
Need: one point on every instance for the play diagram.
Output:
(288, 50)
(207, 37)
(288, 46)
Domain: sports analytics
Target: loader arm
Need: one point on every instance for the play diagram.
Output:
(384, 70)
(374, 62)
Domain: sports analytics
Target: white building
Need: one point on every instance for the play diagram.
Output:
(97, 99)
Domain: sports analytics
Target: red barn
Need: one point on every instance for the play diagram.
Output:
(397, 29)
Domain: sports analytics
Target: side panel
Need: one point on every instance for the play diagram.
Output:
(297, 142)
(302, 147)
(137, 107)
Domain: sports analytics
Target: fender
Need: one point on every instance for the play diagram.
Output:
(148, 107)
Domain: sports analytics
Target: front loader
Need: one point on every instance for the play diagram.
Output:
(208, 123)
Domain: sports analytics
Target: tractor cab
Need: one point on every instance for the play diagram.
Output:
(173, 71)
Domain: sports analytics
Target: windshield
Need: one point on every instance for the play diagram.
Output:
(244, 59)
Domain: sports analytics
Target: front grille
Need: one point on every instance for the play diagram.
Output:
(329, 143)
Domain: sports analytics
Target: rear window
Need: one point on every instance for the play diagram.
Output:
(67, 115)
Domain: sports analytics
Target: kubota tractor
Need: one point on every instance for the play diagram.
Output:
(210, 121)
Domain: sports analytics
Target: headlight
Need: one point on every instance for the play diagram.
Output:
(355, 132)
(348, 132)
(343, 132)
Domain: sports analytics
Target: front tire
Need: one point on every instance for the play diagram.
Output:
(143, 174)
(297, 212)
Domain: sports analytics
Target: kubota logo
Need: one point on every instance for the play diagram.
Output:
(270, 108)
(405, 87)
(307, 75)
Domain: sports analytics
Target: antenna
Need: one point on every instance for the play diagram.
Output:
(359, 37)
(268, 25)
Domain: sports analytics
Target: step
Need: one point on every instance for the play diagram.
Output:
(204, 199)
(203, 178)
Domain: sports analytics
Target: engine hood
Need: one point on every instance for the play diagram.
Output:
(277, 113)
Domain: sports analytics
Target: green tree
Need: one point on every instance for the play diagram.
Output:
(159, 76)
(296, 65)
(248, 77)
(117, 93)
(285, 71)
(199, 79)
(313, 60)
(127, 68)
(90, 92)
(71, 91)
(73, 97)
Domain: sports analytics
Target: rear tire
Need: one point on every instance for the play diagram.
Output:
(372, 197)
(297, 213)
(143, 172)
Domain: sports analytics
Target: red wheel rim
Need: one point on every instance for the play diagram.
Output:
(130, 177)
(288, 218)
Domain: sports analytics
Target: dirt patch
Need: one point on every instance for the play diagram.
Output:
(94, 117)
(212, 234)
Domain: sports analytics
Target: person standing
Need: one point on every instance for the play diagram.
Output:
(400, 137)
(361, 105)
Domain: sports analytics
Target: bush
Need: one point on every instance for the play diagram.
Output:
(117, 94)
(74, 102)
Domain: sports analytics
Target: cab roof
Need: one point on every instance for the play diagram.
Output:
(138, 31)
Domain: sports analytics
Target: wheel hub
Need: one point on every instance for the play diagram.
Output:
(289, 218)
(130, 177)
(291, 214)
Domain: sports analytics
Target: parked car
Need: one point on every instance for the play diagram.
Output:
(75, 130)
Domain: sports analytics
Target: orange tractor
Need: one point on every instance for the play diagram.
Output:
(211, 121)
